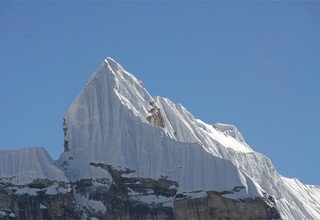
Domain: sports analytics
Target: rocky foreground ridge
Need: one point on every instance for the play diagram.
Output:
(128, 155)
(119, 199)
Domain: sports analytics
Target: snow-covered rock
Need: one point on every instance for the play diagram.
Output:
(108, 123)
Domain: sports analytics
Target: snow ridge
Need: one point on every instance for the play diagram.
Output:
(21, 167)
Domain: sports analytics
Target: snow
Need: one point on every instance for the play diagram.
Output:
(2, 213)
(229, 130)
(182, 126)
(50, 190)
(21, 167)
(43, 206)
(107, 123)
(83, 201)
(196, 194)
(55, 189)
(27, 191)
(150, 198)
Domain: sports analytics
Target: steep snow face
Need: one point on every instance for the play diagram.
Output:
(21, 167)
(226, 141)
(300, 195)
(108, 123)
(229, 130)
(182, 126)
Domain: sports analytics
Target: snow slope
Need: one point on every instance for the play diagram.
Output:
(108, 123)
(21, 167)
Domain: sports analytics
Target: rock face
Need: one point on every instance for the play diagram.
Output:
(216, 206)
(128, 155)
(37, 201)
(103, 199)
(155, 118)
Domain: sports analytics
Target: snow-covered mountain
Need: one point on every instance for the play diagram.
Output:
(21, 167)
(117, 134)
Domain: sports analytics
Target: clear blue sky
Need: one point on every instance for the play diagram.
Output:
(255, 65)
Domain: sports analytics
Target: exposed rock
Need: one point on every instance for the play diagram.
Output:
(66, 142)
(124, 198)
(216, 206)
(32, 201)
(121, 203)
(155, 118)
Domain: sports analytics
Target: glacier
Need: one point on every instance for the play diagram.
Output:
(115, 121)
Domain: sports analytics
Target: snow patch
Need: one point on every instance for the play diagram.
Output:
(196, 194)
(151, 199)
(43, 206)
(2, 213)
(28, 191)
(56, 189)
(83, 201)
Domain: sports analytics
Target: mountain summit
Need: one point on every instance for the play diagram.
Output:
(128, 154)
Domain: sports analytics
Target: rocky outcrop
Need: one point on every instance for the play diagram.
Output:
(125, 197)
(155, 118)
(65, 142)
(40, 199)
(215, 206)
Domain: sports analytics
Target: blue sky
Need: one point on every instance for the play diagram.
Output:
(252, 64)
